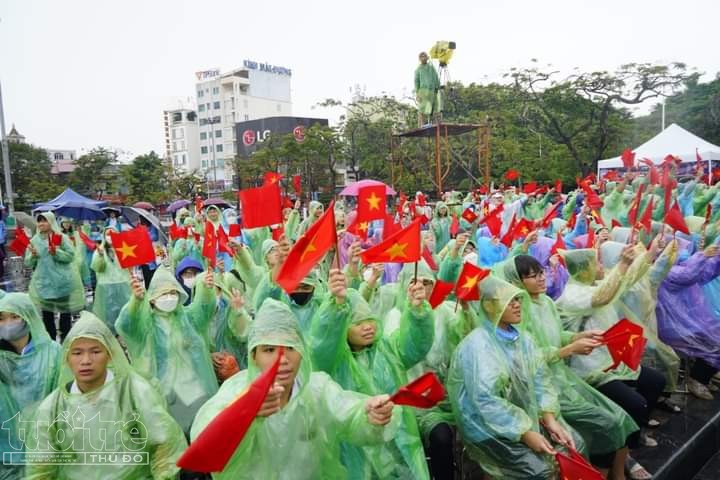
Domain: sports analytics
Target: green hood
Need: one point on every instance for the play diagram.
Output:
(21, 305)
(50, 217)
(163, 282)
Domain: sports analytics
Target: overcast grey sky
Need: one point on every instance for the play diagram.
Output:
(81, 73)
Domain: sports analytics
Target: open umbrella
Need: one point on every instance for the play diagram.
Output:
(218, 202)
(144, 205)
(177, 205)
(76, 210)
(352, 190)
(133, 214)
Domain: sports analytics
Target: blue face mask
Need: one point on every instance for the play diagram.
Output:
(14, 330)
(511, 334)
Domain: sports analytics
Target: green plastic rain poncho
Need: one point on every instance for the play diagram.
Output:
(187, 247)
(427, 89)
(603, 424)
(112, 290)
(313, 208)
(81, 251)
(126, 415)
(499, 388)
(379, 368)
(250, 272)
(8, 436)
(585, 305)
(171, 346)
(440, 226)
(56, 285)
(302, 441)
(613, 203)
(638, 305)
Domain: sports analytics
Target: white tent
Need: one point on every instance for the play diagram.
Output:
(673, 140)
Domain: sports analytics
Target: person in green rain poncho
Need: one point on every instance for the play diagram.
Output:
(502, 394)
(29, 365)
(306, 415)
(101, 414)
(166, 341)
(440, 226)
(56, 285)
(315, 211)
(347, 341)
(112, 290)
(603, 424)
(427, 88)
(68, 228)
(587, 306)
(248, 271)
(187, 247)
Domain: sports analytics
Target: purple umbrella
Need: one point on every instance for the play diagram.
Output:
(218, 202)
(177, 205)
(352, 189)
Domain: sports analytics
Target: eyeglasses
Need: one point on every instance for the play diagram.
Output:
(535, 275)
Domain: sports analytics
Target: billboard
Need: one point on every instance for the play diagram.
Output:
(251, 134)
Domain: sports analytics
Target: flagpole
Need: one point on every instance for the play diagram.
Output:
(416, 269)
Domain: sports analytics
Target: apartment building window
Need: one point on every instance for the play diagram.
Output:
(59, 156)
(203, 135)
(218, 133)
(216, 90)
(247, 117)
(204, 150)
(219, 148)
(182, 145)
(216, 105)
(184, 159)
(204, 164)
(221, 163)
(201, 107)
(279, 107)
(200, 93)
(177, 117)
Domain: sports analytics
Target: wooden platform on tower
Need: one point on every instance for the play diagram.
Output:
(441, 132)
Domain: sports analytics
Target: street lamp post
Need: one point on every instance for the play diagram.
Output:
(212, 122)
(6, 159)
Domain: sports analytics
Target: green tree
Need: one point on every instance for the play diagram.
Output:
(145, 179)
(96, 171)
(181, 184)
(30, 171)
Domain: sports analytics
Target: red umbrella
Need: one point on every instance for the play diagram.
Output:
(144, 205)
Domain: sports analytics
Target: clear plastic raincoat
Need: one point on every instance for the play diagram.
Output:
(112, 290)
(120, 431)
(302, 441)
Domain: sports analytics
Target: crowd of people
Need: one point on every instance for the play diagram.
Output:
(164, 349)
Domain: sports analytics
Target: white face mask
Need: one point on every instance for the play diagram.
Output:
(167, 303)
(189, 282)
(471, 258)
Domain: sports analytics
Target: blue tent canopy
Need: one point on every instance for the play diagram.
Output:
(69, 195)
(72, 204)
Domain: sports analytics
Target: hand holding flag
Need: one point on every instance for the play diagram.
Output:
(133, 247)
(424, 392)
(21, 242)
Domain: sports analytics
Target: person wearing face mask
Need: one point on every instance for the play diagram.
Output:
(115, 413)
(186, 274)
(506, 406)
(56, 285)
(305, 416)
(165, 340)
(29, 359)
(347, 341)
(315, 211)
(112, 290)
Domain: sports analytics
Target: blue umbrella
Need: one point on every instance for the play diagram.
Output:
(76, 210)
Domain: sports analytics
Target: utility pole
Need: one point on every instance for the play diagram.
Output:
(6, 160)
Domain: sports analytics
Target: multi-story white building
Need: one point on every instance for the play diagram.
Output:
(256, 90)
(182, 147)
(63, 161)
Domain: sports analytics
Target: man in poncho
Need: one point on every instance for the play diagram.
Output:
(603, 424)
(347, 341)
(167, 341)
(112, 290)
(503, 398)
(56, 285)
(101, 411)
(305, 416)
(427, 90)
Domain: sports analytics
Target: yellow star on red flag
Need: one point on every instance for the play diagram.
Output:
(127, 250)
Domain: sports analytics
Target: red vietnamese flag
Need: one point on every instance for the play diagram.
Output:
(359, 229)
(530, 188)
(177, 232)
(440, 292)
(216, 444)
(424, 392)
(558, 186)
(421, 201)
(626, 344)
(222, 241)
(401, 247)
(558, 245)
(271, 177)
(21, 242)
(653, 175)
(427, 256)
(667, 198)
(261, 206)
(210, 243)
(575, 467)
(133, 247)
(614, 223)
(708, 213)
(523, 228)
(494, 224)
(390, 227)
(509, 236)
(590, 243)
(371, 203)
(646, 220)
(199, 204)
(277, 233)
(469, 216)
(466, 287)
(297, 184)
(308, 250)
(628, 158)
(454, 225)
(610, 176)
(597, 217)
(675, 220)
(592, 199)
(89, 244)
(573, 220)
(552, 213)
(488, 215)
(512, 174)
(401, 203)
